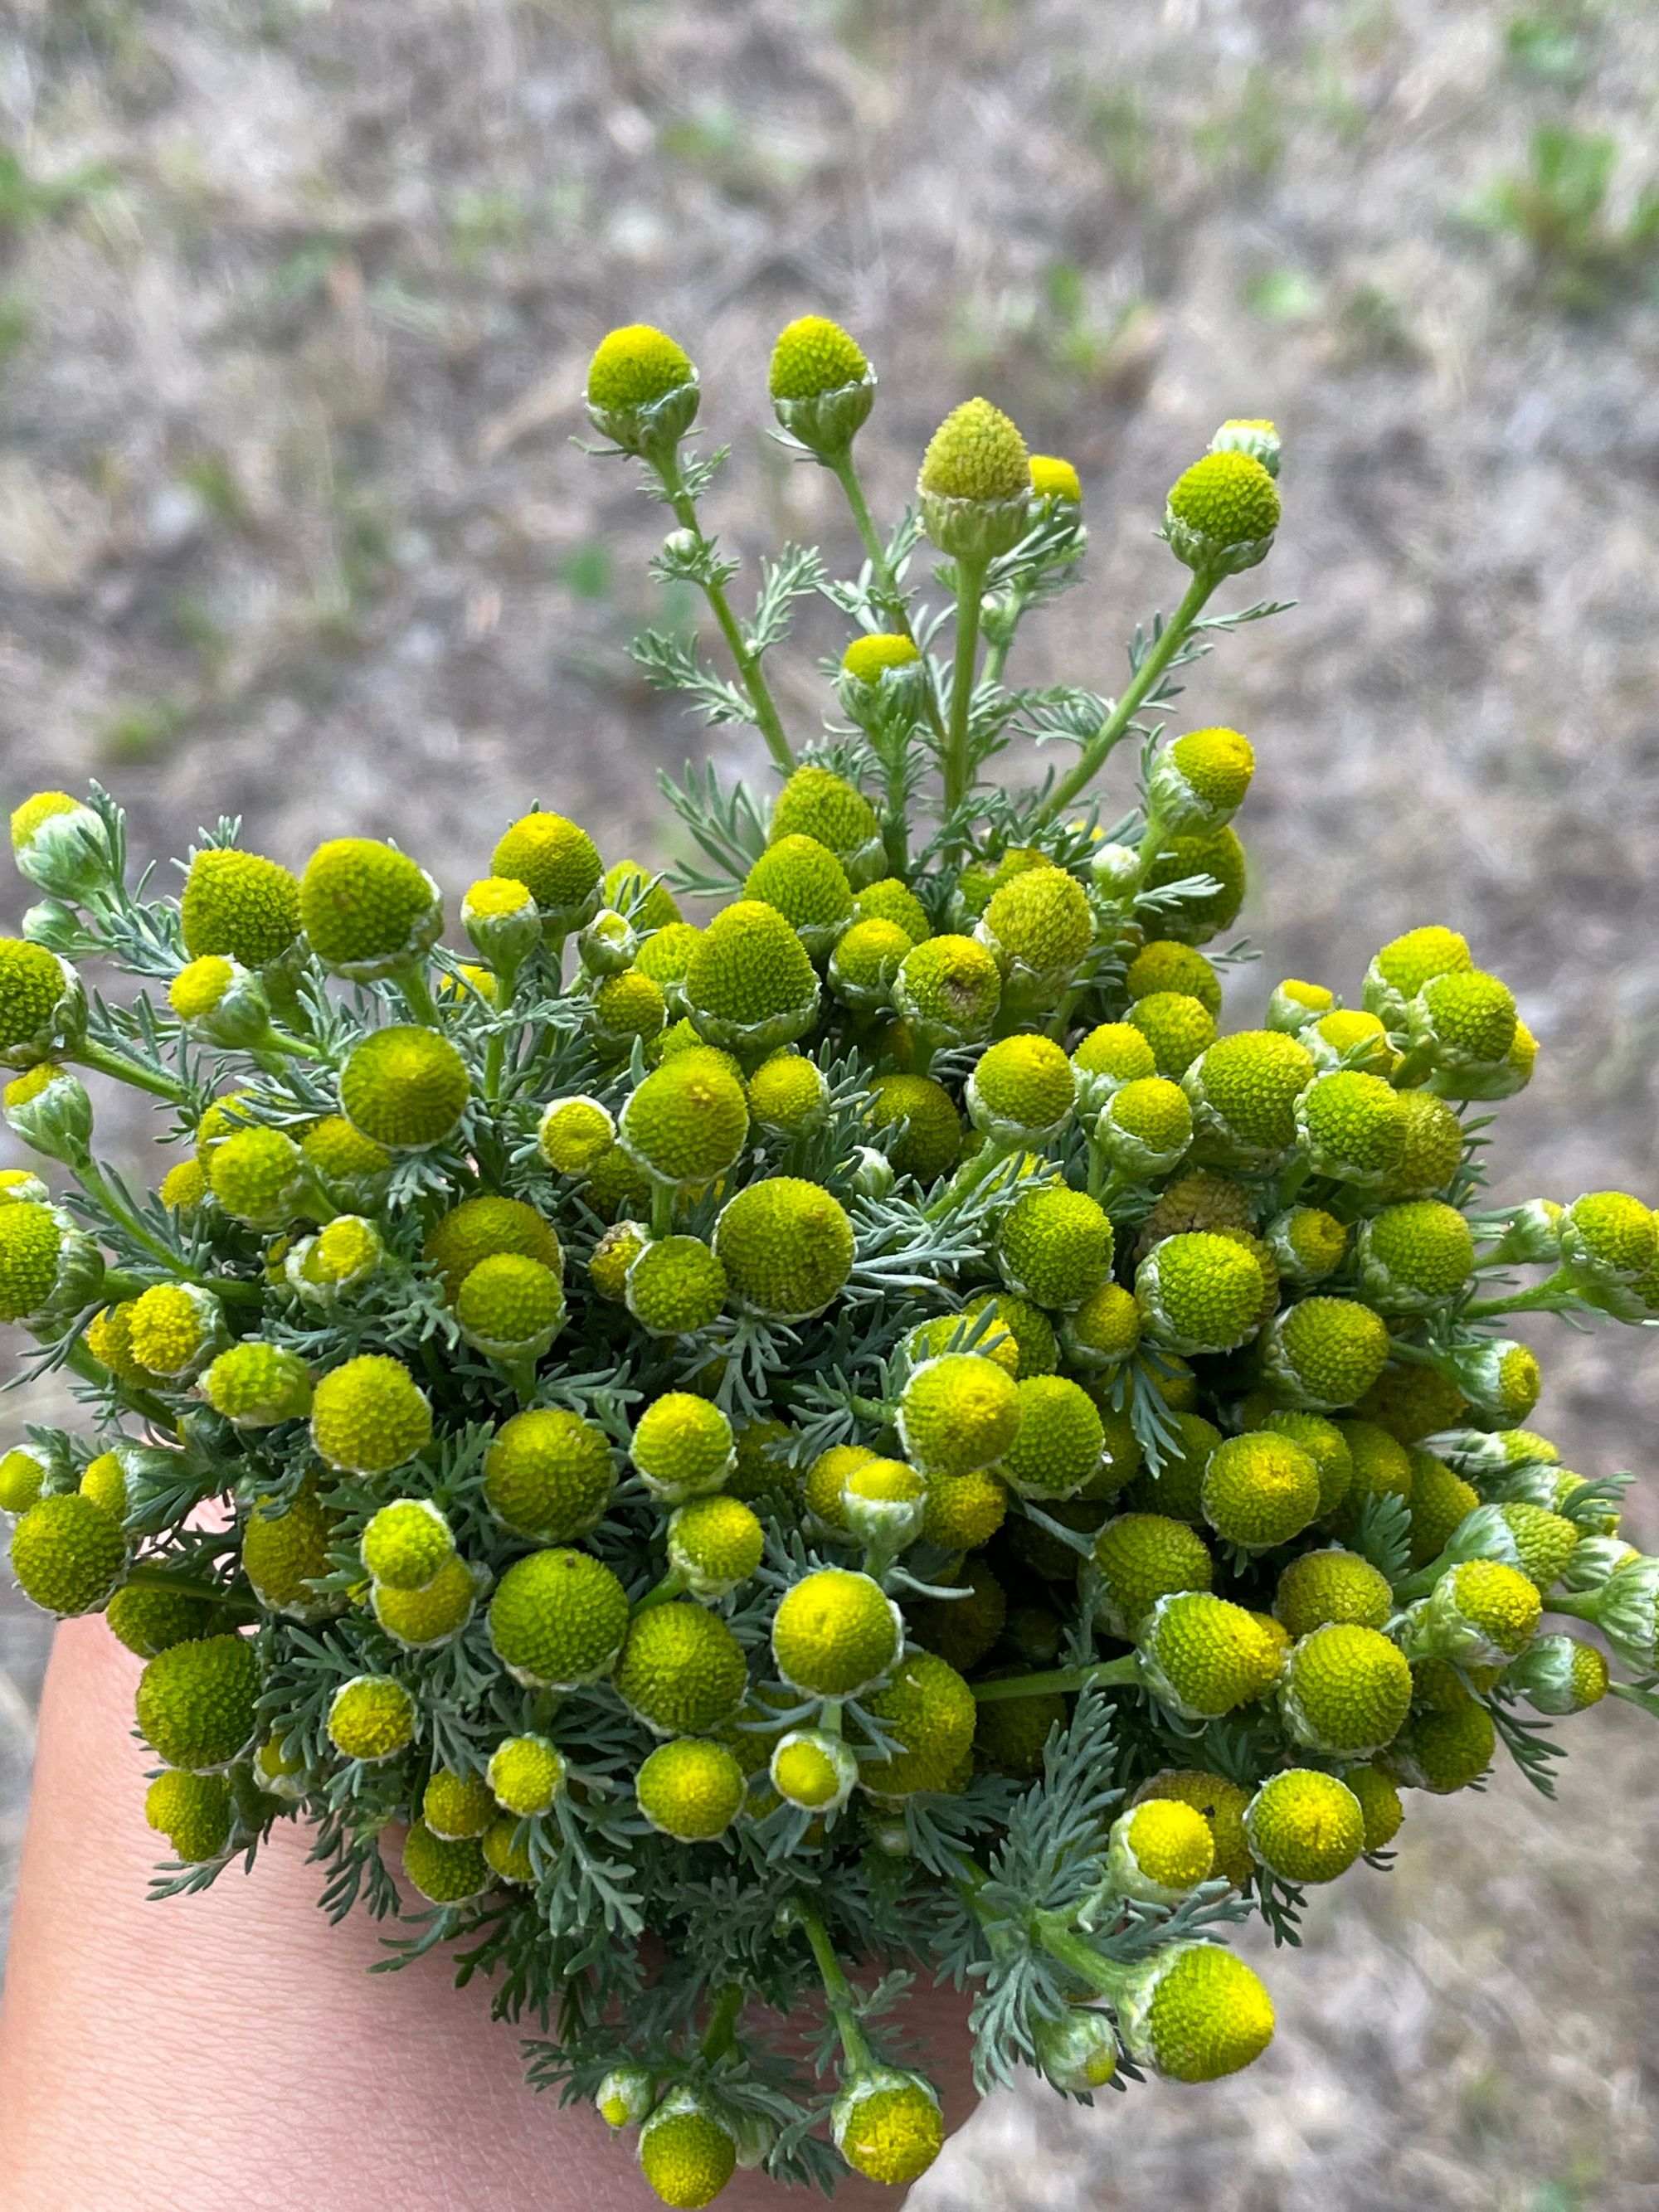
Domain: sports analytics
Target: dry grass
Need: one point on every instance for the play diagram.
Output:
(294, 302)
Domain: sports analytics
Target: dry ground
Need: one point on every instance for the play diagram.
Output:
(294, 300)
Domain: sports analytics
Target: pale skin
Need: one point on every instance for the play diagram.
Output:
(229, 2049)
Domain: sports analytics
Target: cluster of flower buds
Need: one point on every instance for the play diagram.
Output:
(689, 1421)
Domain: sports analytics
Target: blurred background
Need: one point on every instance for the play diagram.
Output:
(295, 301)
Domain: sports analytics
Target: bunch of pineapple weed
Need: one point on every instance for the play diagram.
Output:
(859, 1436)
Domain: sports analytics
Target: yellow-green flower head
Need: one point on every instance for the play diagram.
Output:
(1199, 782)
(1350, 1038)
(686, 2153)
(1324, 1353)
(174, 1328)
(1625, 1588)
(1054, 1246)
(1412, 1403)
(1103, 1331)
(1110, 1055)
(193, 1812)
(1294, 1004)
(675, 1284)
(1053, 478)
(1379, 1803)
(1607, 1236)
(1483, 1453)
(1440, 1501)
(813, 1771)
(526, 1774)
(1432, 1151)
(1379, 1465)
(1222, 513)
(1332, 1585)
(455, 1807)
(42, 1003)
(352, 1169)
(1177, 1027)
(624, 1007)
(958, 1413)
(1404, 964)
(196, 1703)
(787, 1093)
(787, 1247)
(1140, 1558)
(618, 1249)
(1499, 1377)
(639, 893)
(183, 1189)
(22, 1473)
(48, 1108)
(558, 1620)
(641, 390)
(1462, 1024)
(239, 905)
(608, 945)
(1351, 1127)
(1558, 1675)
(880, 675)
(714, 1545)
(285, 1550)
(1199, 1292)
(1213, 852)
(33, 1238)
(418, 1620)
(104, 1482)
(572, 1133)
(405, 1088)
(1195, 2012)
(345, 1253)
(1021, 1091)
(682, 1447)
(261, 1178)
(510, 1307)
(682, 1671)
(1039, 926)
(890, 899)
(21, 1187)
(1176, 1488)
(368, 909)
(1305, 1825)
(816, 804)
(1308, 1244)
(1222, 1803)
(548, 1474)
(928, 1138)
(502, 919)
(836, 1634)
(1145, 1127)
(441, 1872)
(1021, 1325)
(1166, 964)
(750, 985)
(1158, 1851)
(1346, 1691)
(974, 486)
(625, 2096)
(1244, 1091)
(1078, 2053)
(68, 1554)
(1249, 434)
(762, 1449)
(60, 845)
(369, 1415)
(506, 1853)
(1060, 1439)
(1202, 1655)
(822, 386)
(1414, 1256)
(406, 1543)
(218, 1002)
(1447, 1751)
(887, 2125)
(882, 1502)
(558, 863)
(665, 957)
(808, 886)
(929, 1711)
(1479, 1614)
(947, 991)
(480, 1228)
(821, 1490)
(1260, 1490)
(149, 1621)
(690, 1790)
(1513, 1074)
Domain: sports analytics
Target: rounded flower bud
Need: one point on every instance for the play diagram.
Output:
(1195, 2012)
(455, 1807)
(1349, 1039)
(681, 1671)
(682, 1447)
(1558, 1675)
(1199, 781)
(1462, 1024)
(1102, 1332)
(812, 1771)
(687, 1122)
(196, 1703)
(22, 1474)
(1346, 1691)
(369, 1416)
(608, 944)
(786, 1094)
(615, 1253)
(1481, 1612)
(1060, 1438)
(690, 1790)
(1260, 1490)
(928, 1128)
(1321, 1587)
(1166, 964)
(958, 1413)
(816, 804)
(884, 1503)
(572, 1133)
(1325, 1353)
(1351, 1127)
(1144, 1127)
(1307, 1244)
(1158, 1852)
(352, 1170)
(974, 484)
(887, 2124)
(687, 2153)
(1111, 1055)
(1608, 1237)
(68, 1554)
(193, 1812)
(480, 1228)
(1140, 1558)
(368, 909)
(786, 1246)
(1432, 1151)
(1244, 1091)
(510, 1308)
(1445, 1751)
(1222, 1804)
(714, 1545)
(48, 1108)
(930, 1713)
(836, 1634)
(1304, 1825)
(674, 1285)
(502, 919)
(527, 1775)
(1499, 1377)
(239, 905)
(750, 986)
(1253, 434)
(822, 386)
(1040, 927)
(405, 1088)
(261, 1178)
(345, 1255)
(1078, 2053)
(865, 963)
(888, 899)
(218, 1002)
(255, 1385)
(183, 1189)
(558, 863)
(1021, 1091)
(947, 991)
(1054, 481)
(1414, 1256)
(285, 1552)
(60, 845)
(444, 1873)
(1221, 515)
(43, 1004)
(406, 1543)
(1203, 1657)
(808, 886)
(1177, 1027)
(1199, 1292)
(174, 1328)
(558, 1620)
(624, 1007)
(1054, 1246)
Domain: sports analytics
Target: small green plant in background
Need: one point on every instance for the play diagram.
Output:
(1557, 208)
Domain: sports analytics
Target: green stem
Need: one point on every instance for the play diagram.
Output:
(1105, 1673)
(1092, 758)
(1645, 1700)
(1104, 1977)
(108, 1061)
(1546, 1296)
(659, 1594)
(417, 994)
(970, 586)
(80, 1362)
(887, 592)
(662, 1210)
(95, 1179)
(837, 1989)
(1575, 1608)
(748, 663)
(179, 1579)
(721, 2032)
